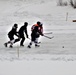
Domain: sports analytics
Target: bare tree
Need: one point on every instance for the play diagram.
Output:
(73, 3)
(61, 3)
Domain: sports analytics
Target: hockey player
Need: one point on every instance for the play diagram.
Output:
(21, 32)
(37, 30)
(11, 34)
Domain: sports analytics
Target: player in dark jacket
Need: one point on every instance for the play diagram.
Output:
(11, 34)
(21, 32)
(37, 30)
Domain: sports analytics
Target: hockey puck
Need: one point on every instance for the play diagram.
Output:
(62, 46)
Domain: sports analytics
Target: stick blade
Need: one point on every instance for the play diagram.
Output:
(51, 37)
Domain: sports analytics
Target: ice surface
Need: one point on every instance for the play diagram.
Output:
(51, 58)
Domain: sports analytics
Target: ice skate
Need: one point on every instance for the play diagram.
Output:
(11, 46)
(5, 44)
(37, 45)
(28, 46)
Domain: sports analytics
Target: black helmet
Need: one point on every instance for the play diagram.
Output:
(26, 23)
(16, 25)
(38, 22)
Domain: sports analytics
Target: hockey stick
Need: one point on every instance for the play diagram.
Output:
(48, 33)
(48, 37)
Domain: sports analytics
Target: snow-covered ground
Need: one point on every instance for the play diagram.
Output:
(55, 56)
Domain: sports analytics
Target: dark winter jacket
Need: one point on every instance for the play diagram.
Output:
(13, 32)
(36, 30)
(23, 30)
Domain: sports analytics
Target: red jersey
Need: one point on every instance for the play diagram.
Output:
(40, 28)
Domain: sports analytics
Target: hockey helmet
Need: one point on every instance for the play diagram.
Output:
(25, 23)
(38, 22)
(16, 25)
